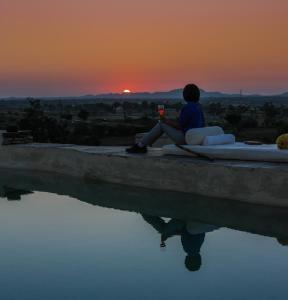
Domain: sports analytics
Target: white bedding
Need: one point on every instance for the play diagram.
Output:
(239, 151)
(220, 139)
(195, 136)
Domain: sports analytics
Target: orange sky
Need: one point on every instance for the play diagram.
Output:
(74, 47)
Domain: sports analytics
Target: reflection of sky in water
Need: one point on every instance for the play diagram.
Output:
(57, 247)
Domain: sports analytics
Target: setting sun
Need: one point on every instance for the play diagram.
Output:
(127, 91)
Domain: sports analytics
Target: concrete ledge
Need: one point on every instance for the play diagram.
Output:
(253, 182)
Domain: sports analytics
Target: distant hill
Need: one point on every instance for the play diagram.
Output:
(173, 94)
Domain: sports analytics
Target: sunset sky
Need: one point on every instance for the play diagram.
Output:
(75, 47)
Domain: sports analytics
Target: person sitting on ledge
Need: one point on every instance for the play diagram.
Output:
(191, 116)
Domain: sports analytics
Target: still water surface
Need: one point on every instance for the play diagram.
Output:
(66, 239)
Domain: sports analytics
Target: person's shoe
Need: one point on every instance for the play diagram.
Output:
(136, 149)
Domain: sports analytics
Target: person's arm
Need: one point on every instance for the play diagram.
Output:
(156, 222)
(173, 123)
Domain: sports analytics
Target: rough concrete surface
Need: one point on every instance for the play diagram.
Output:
(253, 182)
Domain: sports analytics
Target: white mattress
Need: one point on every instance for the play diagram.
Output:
(239, 151)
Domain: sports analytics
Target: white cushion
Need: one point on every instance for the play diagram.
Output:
(195, 136)
(220, 139)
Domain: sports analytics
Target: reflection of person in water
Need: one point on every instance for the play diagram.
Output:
(192, 237)
(282, 241)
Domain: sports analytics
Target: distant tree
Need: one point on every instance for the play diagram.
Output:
(145, 105)
(215, 109)
(153, 106)
(270, 113)
(84, 134)
(249, 123)
(126, 105)
(35, 107)
(242, 108)
(83, 114)
(66, 116)
(116, 105)
(233, 119)
(145, 116)
(43, 128)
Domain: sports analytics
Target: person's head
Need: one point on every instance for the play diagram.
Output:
(193, 262)
(191, 93)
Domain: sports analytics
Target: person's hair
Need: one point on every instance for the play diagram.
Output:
(193, 262)
(191, 93)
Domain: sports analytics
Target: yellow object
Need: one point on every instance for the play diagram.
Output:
(282, 141)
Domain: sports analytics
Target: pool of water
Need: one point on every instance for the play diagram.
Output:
(62, 238)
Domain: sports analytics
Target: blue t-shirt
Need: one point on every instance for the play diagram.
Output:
(192, 242)
(191, 116)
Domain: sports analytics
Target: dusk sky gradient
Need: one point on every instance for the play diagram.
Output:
(75, 47)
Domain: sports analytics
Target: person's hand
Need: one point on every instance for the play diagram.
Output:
(168, 122)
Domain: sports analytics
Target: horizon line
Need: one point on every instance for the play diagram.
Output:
(240, 92)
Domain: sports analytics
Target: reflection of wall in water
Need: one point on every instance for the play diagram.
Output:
(13, 194)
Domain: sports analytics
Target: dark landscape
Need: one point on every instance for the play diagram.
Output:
(114, 119)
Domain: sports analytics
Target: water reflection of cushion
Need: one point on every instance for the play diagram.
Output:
(195, 136)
